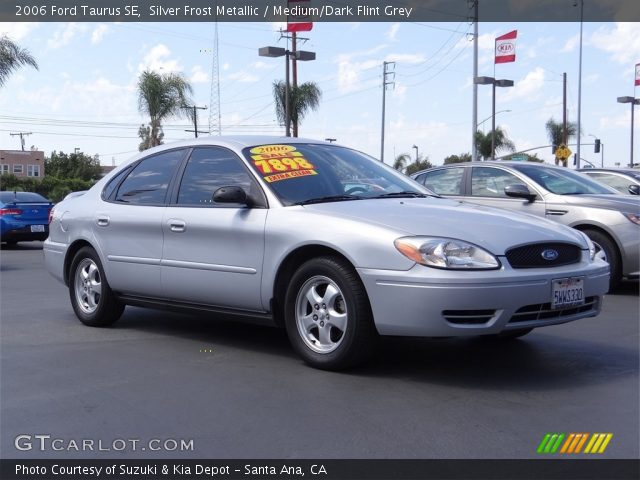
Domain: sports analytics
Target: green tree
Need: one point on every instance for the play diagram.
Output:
(302, 99)
(422, 163)
(74, 165)
(401, 161)
(13, 57)
(502, 143)
(555, 132)
(463, 157)
(161, 96)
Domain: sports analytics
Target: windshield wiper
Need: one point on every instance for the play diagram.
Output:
(329, 198)
(405, 193)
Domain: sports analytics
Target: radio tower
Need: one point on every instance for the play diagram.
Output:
(215, 126)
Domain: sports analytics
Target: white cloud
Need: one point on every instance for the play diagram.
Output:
(527, 88)
(198, 75)
(622, 41)
(392, 32)
(63, 35)
(99, 32)
(616, 122)
(405, 57)
(158, 59)
(571, 44)
(16, 31)
(243, 77)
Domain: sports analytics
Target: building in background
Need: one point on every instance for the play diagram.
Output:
(22, 164)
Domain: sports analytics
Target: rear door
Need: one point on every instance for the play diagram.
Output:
(128, 224)
(213, 253)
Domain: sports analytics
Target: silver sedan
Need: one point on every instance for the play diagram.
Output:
(325, 241)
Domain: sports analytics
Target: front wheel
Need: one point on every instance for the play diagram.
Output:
(91, 297)
(327, 315)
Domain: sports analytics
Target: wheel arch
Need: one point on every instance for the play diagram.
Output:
(71, 253)
(289, 265)
(591, 226)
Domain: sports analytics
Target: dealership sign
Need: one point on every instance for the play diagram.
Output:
(506, 47)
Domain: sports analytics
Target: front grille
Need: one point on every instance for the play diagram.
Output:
(543, 311)
(468, 317)
(533, 255)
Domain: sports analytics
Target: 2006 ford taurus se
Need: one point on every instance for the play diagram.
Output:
(331, 244)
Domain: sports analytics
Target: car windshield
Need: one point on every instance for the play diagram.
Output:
(564, 182)
(313, 173)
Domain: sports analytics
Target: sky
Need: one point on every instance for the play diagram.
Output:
(84, 93)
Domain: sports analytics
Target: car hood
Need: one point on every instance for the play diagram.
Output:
(494, 229)
(622, 203)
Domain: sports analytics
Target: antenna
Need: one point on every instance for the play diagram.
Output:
(215, 124)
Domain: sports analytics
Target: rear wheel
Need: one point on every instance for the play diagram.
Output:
(606, 250)
(91, 297)
(327, 315)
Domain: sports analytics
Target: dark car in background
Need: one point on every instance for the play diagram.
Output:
(611, 220)
(625, 180)
(24, 217)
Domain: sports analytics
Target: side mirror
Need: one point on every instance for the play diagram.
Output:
(634, 189)
(231, 194)
(519, 190)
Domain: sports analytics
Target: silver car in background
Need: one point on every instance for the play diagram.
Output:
(611, 220)
(331, 244)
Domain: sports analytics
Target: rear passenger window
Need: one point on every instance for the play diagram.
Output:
(447, 181)
(148, 182)
(207, 170)
(113, 184)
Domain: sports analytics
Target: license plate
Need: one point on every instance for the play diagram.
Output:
(37, 228)
(567, 292)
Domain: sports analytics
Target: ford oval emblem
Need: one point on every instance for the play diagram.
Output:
(550, 254)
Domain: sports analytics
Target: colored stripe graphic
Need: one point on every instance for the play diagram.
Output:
(573, 443)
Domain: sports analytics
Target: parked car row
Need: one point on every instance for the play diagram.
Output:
(333, 245)
(624, 180)
(610, 220)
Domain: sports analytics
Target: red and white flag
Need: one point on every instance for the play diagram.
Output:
(637, 74)
(506, 47)
(299, 20)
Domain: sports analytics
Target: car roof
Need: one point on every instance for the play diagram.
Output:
(612, 170)
(490, 163)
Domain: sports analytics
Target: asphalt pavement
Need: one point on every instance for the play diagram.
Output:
(234, 390)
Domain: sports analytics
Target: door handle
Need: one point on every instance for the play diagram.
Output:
(102, 221)
(177, 226)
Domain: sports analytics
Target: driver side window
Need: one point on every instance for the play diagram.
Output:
(491, 182)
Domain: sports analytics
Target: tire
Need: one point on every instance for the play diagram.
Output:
(328, 316)
(93, 301)
(607, 251)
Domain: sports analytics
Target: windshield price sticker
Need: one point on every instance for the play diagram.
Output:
(283, 160)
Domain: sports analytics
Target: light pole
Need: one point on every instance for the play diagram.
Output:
(489, 118)
(494, 83)
(633, 101)
(416, 147)
(298, 55)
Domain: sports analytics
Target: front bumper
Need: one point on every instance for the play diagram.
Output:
(433, 303)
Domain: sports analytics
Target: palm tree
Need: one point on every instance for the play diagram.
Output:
(161, 96)
(302, 98)
(401, 161)
(13, 57)
(555, 132)
(422, 163)
(502, 142)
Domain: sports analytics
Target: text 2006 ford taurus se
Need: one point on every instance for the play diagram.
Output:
(333, 245)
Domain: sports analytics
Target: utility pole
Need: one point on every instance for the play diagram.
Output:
(195, 119)
(22, 135)
(385, 82)
(474, 120)
(294, 66)
(578, 133)
(215, 121)
(564, 109)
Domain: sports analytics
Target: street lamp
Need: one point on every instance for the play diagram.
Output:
(633, 101)
(416, 147)
(283, 52)
(489, 118)
(494, 83)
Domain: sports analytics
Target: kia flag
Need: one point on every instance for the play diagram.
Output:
(299, 18)
(637, 74)
(506, 47)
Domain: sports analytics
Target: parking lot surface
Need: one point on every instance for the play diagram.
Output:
(238, 391)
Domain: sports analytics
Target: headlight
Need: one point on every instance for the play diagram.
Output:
(632, 217)
(446, 253)
(592, 247)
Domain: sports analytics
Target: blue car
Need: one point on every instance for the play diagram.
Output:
(24, 216)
